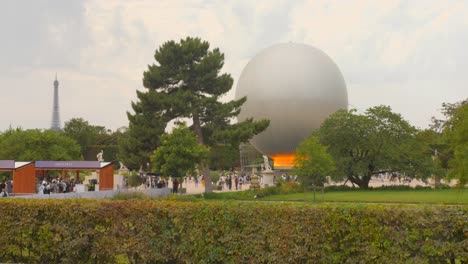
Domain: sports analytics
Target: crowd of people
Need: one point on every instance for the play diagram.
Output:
(232, 180)
(229, 181)
(58, 185)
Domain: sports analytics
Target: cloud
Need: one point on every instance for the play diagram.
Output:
(38, 34)
(409, 55)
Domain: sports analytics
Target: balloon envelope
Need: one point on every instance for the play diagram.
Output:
(296, 87)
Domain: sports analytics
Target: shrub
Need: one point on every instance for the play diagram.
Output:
(215, 175)
(335, 188)
(442, 186)
(419, 187)
(152, 231)
(393, 187)
(290, 187)
(130, 196)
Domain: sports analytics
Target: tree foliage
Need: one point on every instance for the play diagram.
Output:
(457, 139)
(92, 139)
(35, 144)
(374, 142)
(179, 153)
(187, 83)
(146, 125)
(224, 157)
(448, 111)
(312, 162)
(449, 141)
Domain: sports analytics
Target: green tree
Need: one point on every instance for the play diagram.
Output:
(375, 142)
(312, 162)
(448, 111)
(92, 139)
(457, 139)
(186, 84)
(34, 144)
(438, 150)
(442, 142)
(179, 153)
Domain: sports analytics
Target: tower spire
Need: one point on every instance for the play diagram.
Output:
(55, 111)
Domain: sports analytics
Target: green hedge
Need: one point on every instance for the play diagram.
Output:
(83, 231)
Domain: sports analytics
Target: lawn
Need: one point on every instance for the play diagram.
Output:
(446, 196)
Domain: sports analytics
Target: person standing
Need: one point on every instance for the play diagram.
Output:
(175, 186)
(9, 186)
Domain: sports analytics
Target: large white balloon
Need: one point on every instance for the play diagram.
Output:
(296, 87)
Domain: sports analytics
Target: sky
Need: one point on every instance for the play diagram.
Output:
(410, 55)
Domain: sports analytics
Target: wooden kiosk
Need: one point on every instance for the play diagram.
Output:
(23, 175)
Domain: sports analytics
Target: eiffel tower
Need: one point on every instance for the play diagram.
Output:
(55, 112)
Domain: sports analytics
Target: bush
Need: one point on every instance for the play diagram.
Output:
(290, 187)
(339, 188)
(442, 186)
(419, 187)
(130, 196)
(152, 231)
(393, 187)
(215, 175)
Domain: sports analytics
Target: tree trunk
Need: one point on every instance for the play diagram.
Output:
(362, 183)
(204, 167)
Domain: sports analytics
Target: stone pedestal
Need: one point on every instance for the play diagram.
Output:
(268, 178)
(254, 184)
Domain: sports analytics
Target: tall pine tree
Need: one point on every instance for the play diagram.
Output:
(186, 83)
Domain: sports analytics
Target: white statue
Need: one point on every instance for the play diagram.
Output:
(99, 156)
(266, 163)
(122, 166)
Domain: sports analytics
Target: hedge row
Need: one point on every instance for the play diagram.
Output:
(82, 231)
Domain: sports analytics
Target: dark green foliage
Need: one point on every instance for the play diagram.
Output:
(457, 138)
(449, 141)
(339, 188)
(35, 144)
(92, 139)
(144, 231)
(134, 179)
(146, 125)
(224, 157)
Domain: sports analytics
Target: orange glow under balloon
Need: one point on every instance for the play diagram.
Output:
(283, 160)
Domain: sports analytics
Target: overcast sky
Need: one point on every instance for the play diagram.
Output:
(410, 55)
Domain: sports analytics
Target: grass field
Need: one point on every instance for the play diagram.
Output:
(446, 196)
